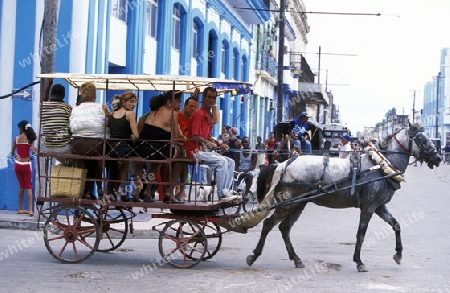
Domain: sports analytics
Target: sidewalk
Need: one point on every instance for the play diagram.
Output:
(142, 223)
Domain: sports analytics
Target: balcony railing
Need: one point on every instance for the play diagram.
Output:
(268, 64)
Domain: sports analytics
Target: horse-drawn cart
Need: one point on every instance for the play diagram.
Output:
(76, 227)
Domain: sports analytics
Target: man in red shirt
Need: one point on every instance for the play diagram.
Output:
(200, 144)
(184, 120)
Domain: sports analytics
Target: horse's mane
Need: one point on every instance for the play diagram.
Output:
(264, 180)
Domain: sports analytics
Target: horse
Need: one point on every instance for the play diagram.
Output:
(342, 183)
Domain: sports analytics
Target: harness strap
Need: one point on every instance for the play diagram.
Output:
(400, 144)
(312, 195)
(291, 159)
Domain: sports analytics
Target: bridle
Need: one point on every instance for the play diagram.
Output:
(420, 140)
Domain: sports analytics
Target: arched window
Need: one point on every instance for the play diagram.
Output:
(152, 18)
(195, 40)
(119, 9)
(224, 56)
(243, 69)
(235, 64)
(176, 26)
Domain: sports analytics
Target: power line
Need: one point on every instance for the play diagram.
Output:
(313, 12)
(317, 53)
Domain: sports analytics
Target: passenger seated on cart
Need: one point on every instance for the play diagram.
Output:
(246, 164)
(112, 166)
(55, 122)
(157, 133)
(88, 125)
(200, 145)
(122, 127)
(184, 120)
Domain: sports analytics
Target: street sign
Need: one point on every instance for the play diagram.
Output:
(26, 95)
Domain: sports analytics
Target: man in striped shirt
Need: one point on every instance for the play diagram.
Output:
(55, 122)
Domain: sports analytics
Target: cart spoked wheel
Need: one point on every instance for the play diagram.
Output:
(68, 237)
(214, 236)
(114, 227)
(182, 243)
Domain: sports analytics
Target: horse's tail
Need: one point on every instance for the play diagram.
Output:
(264, 181)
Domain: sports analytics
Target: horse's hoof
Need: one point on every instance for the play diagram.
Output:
(250, 259)
(397, 258)
(298, 263)
(362, 268)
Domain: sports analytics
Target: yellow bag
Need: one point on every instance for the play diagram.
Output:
(62, 186)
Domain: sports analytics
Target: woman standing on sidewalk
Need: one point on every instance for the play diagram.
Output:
(20, 150)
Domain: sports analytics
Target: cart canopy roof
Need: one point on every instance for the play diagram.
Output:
(183, 83)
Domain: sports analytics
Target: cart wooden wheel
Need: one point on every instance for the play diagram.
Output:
(114, 227)
(68, 237)
(182, 243)
(214, 236)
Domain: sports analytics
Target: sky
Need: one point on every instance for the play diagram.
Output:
(396, 53)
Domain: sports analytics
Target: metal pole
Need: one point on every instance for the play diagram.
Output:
(437, 104)
(414, 104)
(281, 35)
(318, 72)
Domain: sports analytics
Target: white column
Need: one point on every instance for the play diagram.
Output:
(7, 37)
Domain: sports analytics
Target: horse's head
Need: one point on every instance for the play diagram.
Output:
(421, 147)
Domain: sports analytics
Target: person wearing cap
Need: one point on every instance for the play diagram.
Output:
(344, 146)
(300, 130)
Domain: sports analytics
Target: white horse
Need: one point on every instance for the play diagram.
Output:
(342, 183)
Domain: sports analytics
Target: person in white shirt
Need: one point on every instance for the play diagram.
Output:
(88, 123)
(344, 146)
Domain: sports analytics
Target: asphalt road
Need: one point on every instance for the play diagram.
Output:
(323, 238)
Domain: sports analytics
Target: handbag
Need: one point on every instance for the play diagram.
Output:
(67, 182)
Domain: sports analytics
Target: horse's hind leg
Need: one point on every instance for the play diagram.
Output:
(268, 225)
(383, 213)
(285, 228)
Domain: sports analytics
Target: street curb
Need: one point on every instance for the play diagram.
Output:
(33, 226)
(21, 225)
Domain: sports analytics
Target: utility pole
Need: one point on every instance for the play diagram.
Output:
(318, 73)
(49, 27)
(414, 105)
(437, 104)
(281, 36)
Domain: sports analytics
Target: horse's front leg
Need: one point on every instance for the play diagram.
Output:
(384, 214)
(268, 225)
(364, 220)
(285, 228)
